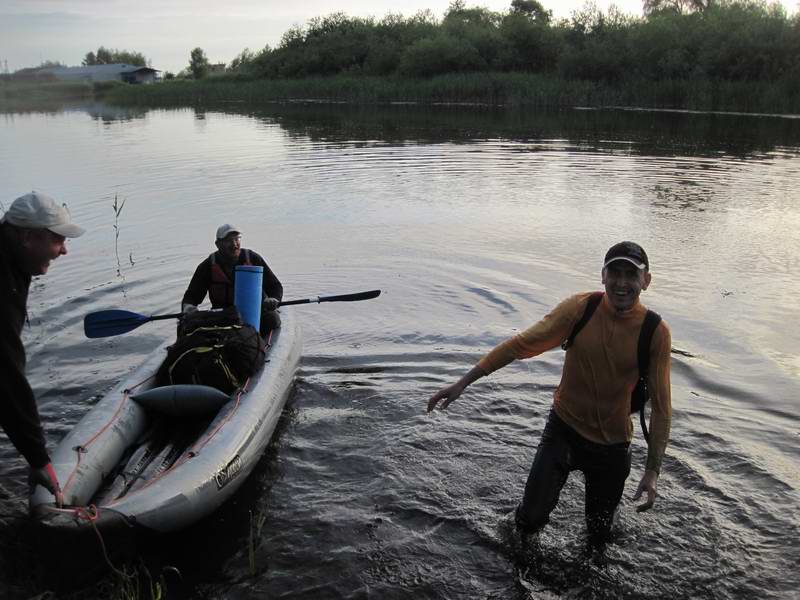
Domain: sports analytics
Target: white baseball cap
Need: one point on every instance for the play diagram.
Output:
(224, 231)
(39, 211)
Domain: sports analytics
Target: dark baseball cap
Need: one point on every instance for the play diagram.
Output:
(629, 251)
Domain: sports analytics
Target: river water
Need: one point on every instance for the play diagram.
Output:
(474, 223)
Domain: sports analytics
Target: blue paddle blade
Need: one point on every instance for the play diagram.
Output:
(107, 323)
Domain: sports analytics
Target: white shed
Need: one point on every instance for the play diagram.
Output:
(113, 72)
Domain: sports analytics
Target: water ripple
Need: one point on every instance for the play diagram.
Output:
(472, 236)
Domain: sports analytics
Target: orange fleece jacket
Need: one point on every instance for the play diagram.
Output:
(600, 371)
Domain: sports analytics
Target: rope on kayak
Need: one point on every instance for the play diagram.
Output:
(91, 513)
(205, 440)
(82, 448)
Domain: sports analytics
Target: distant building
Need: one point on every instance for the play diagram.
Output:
(216, 69)
(114, 72)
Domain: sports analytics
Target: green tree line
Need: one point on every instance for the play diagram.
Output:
(108, 56)
(730, 40)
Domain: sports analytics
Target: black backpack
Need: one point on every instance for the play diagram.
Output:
(215, 350)
(640, 394)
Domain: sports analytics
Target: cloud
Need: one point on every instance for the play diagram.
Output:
(28, 39)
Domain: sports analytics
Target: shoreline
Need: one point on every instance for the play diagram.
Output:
(479, 90)
(500, 90)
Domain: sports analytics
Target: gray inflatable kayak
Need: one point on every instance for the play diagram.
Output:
(130, 465)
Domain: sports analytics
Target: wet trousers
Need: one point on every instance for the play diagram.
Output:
(562, 450)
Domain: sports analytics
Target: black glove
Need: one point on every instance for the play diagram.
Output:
(270, 304)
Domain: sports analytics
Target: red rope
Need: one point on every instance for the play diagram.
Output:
(194, 449)
(82, 447)
(186, 455)
(91, 514)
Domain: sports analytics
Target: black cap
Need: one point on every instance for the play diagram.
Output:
(630, 251)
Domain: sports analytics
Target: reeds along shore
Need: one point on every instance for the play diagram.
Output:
(491, 89)
(495, 89)
(21, 96)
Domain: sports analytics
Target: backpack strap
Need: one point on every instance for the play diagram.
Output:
(651, 321)
(641, 395)
(591, 306)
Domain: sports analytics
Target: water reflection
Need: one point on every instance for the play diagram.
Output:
(99, 111)
(634, 132)
(650, 133)
(108, 113)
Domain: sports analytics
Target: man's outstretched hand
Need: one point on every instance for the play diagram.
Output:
(46, 477)
(448, 394)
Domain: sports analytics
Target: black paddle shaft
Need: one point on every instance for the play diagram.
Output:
(342, 298)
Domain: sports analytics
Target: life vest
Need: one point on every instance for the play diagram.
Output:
(220, 290)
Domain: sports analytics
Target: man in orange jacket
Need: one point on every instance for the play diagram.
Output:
(589, 426)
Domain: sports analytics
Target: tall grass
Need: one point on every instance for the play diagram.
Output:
(495, 89)
(50, 95)
(18, 90)
(136, 584)
(254, 540)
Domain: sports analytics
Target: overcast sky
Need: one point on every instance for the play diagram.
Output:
(165, 31)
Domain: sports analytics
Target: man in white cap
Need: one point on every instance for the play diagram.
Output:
(617, 352)
(215, 276)
(33, 233)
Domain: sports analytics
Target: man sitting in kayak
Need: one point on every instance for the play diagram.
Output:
(215, 277)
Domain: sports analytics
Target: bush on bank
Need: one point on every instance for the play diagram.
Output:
(733, 40)
(732, 55)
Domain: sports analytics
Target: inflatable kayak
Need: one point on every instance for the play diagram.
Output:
(161, 458)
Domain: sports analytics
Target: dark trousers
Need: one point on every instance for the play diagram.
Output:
(562, 450)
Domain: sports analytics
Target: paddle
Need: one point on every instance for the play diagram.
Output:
(343, 298)
(107, 323)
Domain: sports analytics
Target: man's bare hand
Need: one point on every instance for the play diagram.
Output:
(647, 484)
(448, 394)
(452, 392)
(46, 477)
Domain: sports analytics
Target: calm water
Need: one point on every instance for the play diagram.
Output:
(474, 223)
